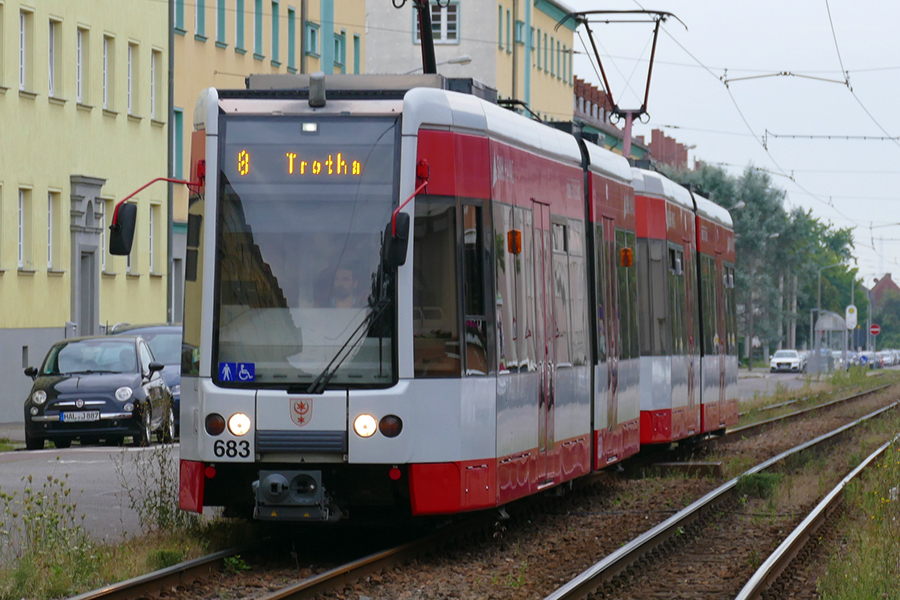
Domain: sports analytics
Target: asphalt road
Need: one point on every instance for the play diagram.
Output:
(96, 473)
(95, 478)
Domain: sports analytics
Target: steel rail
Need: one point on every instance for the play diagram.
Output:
(612, 565)
(378, 561)
(802, 399)
(152, 583)
(769, 572)
(756, 427)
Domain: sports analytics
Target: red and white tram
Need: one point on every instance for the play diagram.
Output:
(554, 309)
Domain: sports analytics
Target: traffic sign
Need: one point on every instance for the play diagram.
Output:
(875, 329)
(850, 317)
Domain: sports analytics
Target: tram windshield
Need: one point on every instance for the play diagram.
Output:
(303, 205)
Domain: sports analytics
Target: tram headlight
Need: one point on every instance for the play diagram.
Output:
(239, 424)
(365, 426)
(215, 424)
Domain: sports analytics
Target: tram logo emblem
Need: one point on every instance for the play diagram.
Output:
(301, 411)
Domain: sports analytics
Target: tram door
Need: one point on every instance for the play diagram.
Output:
(609, 263)
(545, 341)
(690, 323)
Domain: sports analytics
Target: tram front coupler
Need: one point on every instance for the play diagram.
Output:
(292, 496)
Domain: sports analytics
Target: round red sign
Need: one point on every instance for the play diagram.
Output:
(875, 329)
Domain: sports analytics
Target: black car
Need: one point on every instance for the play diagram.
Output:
(169, 349)
(98, 388)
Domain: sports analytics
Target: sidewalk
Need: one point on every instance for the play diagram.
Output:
(14, 432)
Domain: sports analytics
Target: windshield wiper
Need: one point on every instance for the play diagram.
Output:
(319, 383)
(90, 372)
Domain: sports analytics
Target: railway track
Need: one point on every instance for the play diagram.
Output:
(210, 568)
(683, 536)
(774, 576)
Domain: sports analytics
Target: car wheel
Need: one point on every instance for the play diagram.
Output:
(62, 443)
(33, 443)
(143, 438)
(166, 434)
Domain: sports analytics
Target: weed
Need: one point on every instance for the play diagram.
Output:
(758, 485)
(164, 557)
(150, 478)
(235, 565)
(46, 551)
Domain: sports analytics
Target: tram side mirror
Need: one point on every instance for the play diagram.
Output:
(396, 244)
(121, 236)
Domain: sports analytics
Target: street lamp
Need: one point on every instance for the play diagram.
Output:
(456, 60)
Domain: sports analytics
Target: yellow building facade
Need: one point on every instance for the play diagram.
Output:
(512, 46)
(82, 125)
(220, 42)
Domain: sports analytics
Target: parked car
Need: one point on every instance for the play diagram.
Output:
(787, 360)
(169, 349)
(98, 388)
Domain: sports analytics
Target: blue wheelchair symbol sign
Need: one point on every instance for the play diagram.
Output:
(246, 371)
(229, 371)
(863, 360)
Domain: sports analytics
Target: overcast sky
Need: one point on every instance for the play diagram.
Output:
(846, 182)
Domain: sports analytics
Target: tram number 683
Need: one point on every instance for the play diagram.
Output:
(231, 448)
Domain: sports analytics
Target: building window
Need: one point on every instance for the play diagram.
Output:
(239, 26)
(107, 221)
(155, 96)
(558, 60)
(258, 30)
(444, 24)
(275, 40)
(24, 227)
(508, 45)
(53, 229)
(312, 39)
(292, 41)
(52, 58)
(539, 61)
(220, 23)
(178, 143)
(26, 34)
(340, 51)
(546, 66)
(553, 58)
(357, 53)
(179, 17)
(520, 32)
(500, 27)
(109, 79)
(200, 20)
(131, 77)
(531, 47)
(151, 240)
(81, 49)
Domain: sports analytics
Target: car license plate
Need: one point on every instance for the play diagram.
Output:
(80, 417)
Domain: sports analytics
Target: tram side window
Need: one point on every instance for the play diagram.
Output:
(602, 293)
(526, 309)
(730, 312)
(561, 295)
(436, 351)
(508, 270)
(676, 299)
(709, 307)
(476, 342)
(578, 282)
(628, 319)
